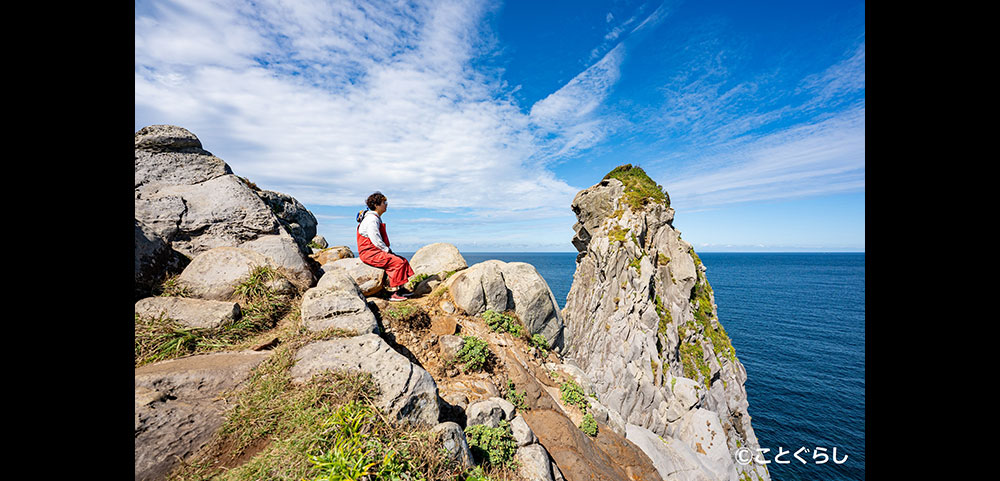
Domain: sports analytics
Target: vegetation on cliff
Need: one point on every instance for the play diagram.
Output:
(639, 188)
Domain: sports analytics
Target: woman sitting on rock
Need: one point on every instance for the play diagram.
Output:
(373, 246)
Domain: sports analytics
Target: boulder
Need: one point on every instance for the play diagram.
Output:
(452, 439)
(195, 313)
(215, 274)
(448, 347)
(319, 241)
(177, 406)
(522, 433)
(535, 464)
(488, 412)
(408, 393)
(437, 258)
(672, 458)
(219, 212)
(294, 216)
(336, 302)
(171, 155)
(513, 286)
(154, 259)
(330, 254)
(369, 279)
(284, 251)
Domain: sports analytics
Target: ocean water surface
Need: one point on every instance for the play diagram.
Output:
(797, 322)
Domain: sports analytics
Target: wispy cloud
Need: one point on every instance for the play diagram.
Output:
(329, 101)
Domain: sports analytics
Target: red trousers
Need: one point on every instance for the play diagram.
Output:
(397, 268)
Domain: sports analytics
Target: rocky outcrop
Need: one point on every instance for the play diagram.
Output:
(215, 274)
(515, 286)
(154, 259)
(177, 409)
(189, 312)
(641, 323)
(337, 303)
(437, 258)
(408, 392)
(193, 202)
(369, 279)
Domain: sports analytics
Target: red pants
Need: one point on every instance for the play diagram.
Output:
(397, 268)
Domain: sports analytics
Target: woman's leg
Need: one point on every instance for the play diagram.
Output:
(398, 270)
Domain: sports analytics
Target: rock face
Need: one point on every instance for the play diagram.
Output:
(176, 406)
(189, 312)
(641, 323)
(517, 286)
(437, 258)
(154, 259)
(192, 201)
(408, 392)
(337, 302)
(369, 279)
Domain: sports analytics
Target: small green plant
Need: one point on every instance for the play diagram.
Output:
(503, 323)
(589, 425)
(495, 446)
(255, 285)
(539, 342)
(314, 245)
(637, 263)
(617, 234)
(572, 394)
(663, 260)
(172, 287)
(415, 280)
(474, 353)
(639, 188)
(517, 398)
(673, 382)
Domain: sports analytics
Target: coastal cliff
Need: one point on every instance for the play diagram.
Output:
(641, 322)
(261, 353)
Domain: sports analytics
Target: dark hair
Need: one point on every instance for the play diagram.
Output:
(374, 200)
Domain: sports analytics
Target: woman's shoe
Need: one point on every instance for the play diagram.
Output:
(396, 297)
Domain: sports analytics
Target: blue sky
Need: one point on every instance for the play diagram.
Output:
(481, 120)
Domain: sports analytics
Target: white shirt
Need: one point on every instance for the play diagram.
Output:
(370, 228)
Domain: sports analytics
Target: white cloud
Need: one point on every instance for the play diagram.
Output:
(329, 101)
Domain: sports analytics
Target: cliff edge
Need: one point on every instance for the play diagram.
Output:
(641, 322)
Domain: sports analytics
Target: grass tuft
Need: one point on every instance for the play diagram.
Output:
(640, 190)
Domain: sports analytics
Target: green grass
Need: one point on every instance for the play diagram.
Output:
(493, 446)
(589, 425)
(506, 322)
(539, 342)
(693, 362)
(515, 397)
(415, 280)
(617, 234)
(572, 394)
(637, 263)
(663, 260)
(640, 190)
(474, 353)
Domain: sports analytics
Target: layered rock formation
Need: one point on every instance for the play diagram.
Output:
(641, 323)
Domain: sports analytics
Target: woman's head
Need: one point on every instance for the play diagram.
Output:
(375, 200)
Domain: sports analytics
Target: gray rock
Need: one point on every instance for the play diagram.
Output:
(165, 138)
(502, 286)
(522, 433)
(283, 250)
(154, 259)
(452, 439)
(177, 406)
(506, 406)
(672, 458)
(448, 347)
(535, 464)
(436, 259)
(622, 318)
(369, 279)
(215, 273)
(487, 412)
(196, 313)
(294, 216)
(408, 393)
(337, 303)
(320, 241)
(219, 212)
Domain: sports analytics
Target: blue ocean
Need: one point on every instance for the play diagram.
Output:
(797, 322)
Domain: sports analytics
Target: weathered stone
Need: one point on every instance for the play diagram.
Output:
(534, 463)
(154, 259)
(336, 302)
(437, 258)
(522, 433)
(487, 412)
(283, 250)
(673, 458)
(408, 393)
(331, 254)
(452, 438)
(368, 278)
(443, 325)
(177, 408)
(215, 273)
(320, 241)
(196, 313)
(165, 138)
(301, 223)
